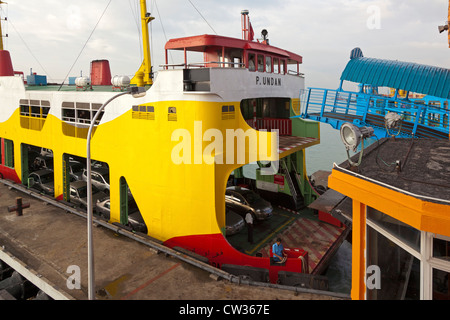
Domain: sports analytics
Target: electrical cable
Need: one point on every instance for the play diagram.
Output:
(84, 46)
(26, 45)
(29, 50)
(202, 16)
(135, 13)
(162, 26)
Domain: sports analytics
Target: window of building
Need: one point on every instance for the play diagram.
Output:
(412, 264)
(441, 284)
(395, 273)
(399, 229)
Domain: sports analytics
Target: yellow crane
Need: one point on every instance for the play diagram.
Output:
(144, 76)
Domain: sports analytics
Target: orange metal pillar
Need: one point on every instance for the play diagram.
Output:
(358, 251)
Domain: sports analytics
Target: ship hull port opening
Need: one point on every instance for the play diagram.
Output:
(300, 227)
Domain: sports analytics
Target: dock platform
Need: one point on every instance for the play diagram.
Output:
(47, 243)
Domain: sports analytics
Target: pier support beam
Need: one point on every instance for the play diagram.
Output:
(358, 251)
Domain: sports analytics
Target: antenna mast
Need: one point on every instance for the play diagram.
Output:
(1, 32)
(144, 76)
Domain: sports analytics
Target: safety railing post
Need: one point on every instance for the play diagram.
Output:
(324, 101)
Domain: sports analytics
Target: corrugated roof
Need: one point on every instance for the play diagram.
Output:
(407, 76)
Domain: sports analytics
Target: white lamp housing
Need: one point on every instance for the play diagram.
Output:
(352, 135)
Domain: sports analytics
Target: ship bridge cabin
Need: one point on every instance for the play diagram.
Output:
(263, 77)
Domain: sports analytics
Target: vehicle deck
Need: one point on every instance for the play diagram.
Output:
(47, 240)
(301, 229)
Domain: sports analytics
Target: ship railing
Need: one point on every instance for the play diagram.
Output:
(205, 64)
(321, 103)
(288, 178)
(295, 73)
(284, 126)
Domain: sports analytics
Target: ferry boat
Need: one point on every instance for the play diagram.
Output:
(173, 151)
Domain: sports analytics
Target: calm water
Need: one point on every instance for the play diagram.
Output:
(330, 150)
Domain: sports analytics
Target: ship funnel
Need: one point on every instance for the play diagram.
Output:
(6, 67)
(100, 73)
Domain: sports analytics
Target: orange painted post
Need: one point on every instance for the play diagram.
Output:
(358, 251)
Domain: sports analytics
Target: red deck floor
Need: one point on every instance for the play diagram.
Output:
(316, 237)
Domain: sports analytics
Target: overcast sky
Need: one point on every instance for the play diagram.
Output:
(322, 31)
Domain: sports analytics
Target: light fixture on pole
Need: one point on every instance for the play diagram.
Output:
(136, 92)
(352, 136)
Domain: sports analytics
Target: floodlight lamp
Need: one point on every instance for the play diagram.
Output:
(393, 120)
(352, 136)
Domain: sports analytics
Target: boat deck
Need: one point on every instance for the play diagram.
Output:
(71, 88)
(46, 240)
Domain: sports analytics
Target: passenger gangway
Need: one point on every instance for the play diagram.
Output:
(418, 93)
(335, 107)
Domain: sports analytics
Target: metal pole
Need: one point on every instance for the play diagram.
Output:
(91, 280)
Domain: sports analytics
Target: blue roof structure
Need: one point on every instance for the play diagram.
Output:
(407, 76)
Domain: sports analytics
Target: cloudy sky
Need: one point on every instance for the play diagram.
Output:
(48, 35)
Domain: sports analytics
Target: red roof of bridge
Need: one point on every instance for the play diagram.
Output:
(201, 42)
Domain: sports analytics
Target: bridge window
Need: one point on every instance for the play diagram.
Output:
(260, 63)
(251, 62)
(276, 65)
(268, 64)
(282, 66)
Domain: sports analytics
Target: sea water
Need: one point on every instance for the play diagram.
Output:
(330, 150)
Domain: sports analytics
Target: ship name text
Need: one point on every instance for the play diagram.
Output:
(268, 81)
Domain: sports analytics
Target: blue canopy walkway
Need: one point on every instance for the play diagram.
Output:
(425, 117)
